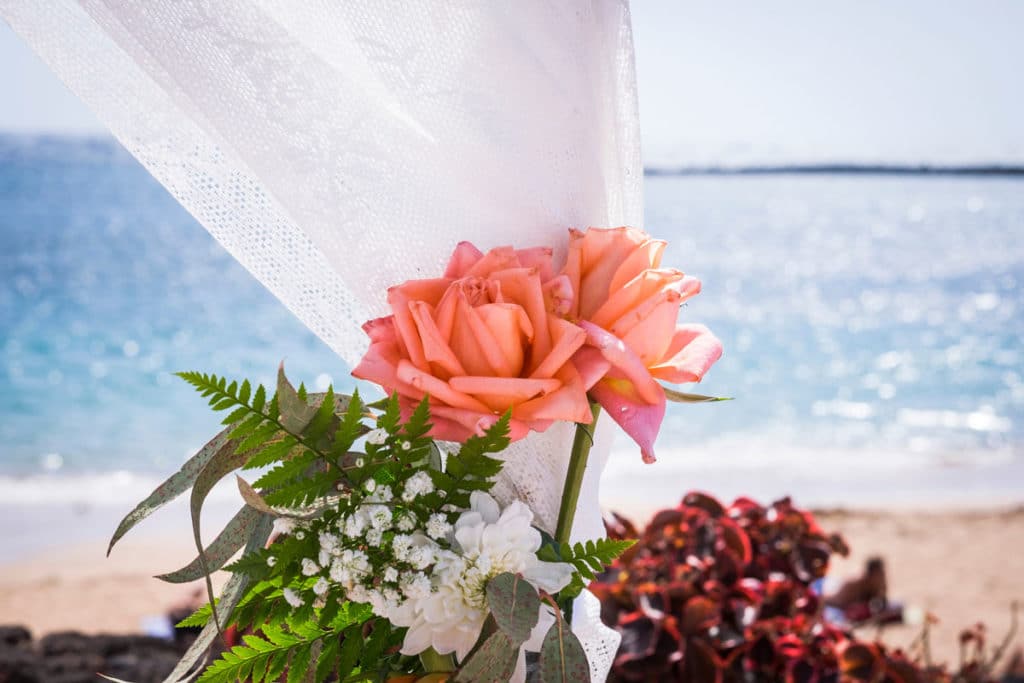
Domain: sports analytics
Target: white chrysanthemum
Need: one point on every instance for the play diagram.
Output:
(309, 567)
(486, 541)
(438, 526)
(292, 598)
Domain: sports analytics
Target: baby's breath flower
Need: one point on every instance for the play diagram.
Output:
(407, 522)
(321, 586)
(374, 537)
(377, 437)
(415, 586)
(383, 494)
(284, 525)
(406, 445)
(370, 485)
(360, 462)
(271, 561)
(292, 598)
(390, 575)
(438, 526)
(300, 534)
(309, 567)
(379, 516)
(401, 546)
(419, 484)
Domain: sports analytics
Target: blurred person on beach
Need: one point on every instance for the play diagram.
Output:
(864, 599)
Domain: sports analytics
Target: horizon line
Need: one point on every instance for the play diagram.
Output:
(1012, 169)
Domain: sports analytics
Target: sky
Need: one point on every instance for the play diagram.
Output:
(734, 82)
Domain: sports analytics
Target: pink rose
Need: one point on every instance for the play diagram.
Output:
(628, 305)
(486, 337)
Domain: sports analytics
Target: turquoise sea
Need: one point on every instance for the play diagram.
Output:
(873, 328)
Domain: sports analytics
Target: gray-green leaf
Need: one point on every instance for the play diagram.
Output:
(295, 413)
(562, 659)
(494, 661)
(680, 397)
(514, 604)
(227, 543)
(170, 489)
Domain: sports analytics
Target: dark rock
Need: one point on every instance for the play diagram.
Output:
(14, 636)
(19, 665)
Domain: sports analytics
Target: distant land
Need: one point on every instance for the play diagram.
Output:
(104, 148)
(839, 168)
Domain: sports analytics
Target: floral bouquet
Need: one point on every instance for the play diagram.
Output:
(374, 545)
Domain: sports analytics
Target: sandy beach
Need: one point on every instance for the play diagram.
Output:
(963, 566)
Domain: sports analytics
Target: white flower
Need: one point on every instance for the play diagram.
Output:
(321, 586)
(379, 516)
(419, 484)
(486, 541)
(324, 557)
(292, 598)
(415, 586)
(328, 542)
(271, 561)
(370, 485)
(438, 526)
(355, 524)
(374, 537)
(300, 534)
(284, 525)
(407, 522)
(390, 575)
(309, 567)
(401, 546)
(377, 437)
(383, 494)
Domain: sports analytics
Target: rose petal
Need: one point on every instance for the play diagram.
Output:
(569, 402)
(437, 388)
(498, 258)
(538, 258)
(638, 290)
(640, 419)
(625, 361)
(602, 252)
(399, 298)
(435, 347)
(558, 295)
(648, 328)
(693, 351)
(523, 285)
(471, 341)
(568, 338)
(644, 257)
(591, 365)
(502, 393)
(509, 326)
(463, 258)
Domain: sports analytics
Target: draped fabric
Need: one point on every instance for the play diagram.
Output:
(338, 148)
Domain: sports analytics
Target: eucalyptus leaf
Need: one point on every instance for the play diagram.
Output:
(252, 497)
(295, 413)
(680, 397)
(515, 605)
(172, 488)
(227, 543)
(495, 660)
(224, 461)
(562, 659)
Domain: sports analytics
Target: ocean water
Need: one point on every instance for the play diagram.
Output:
(873, 330)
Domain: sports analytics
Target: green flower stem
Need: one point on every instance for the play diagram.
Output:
(581, 444)
(436, 663)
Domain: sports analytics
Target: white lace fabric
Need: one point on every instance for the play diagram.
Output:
(338, 148)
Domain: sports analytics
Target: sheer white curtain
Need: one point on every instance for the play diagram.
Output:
(337, 148)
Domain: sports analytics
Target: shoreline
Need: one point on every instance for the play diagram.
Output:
(962, 565)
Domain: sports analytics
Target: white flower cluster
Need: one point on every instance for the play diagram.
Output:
(426, 574)
(375, 553)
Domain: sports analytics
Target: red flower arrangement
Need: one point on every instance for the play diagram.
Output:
(716, 594)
